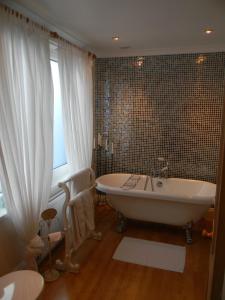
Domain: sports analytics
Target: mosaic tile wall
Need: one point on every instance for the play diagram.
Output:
(169, 107)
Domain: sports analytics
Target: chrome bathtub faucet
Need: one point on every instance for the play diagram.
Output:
(163, 173)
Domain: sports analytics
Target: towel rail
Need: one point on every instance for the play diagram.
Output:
(71, 178)
(67, 264)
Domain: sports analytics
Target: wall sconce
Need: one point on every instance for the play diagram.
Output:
(200, 59)
(140, 61)
(99, 140)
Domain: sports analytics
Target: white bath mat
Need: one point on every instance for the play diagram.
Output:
(151, 254)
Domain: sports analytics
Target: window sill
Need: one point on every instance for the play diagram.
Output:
(57, 191)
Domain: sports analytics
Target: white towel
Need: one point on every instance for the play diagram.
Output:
(82, 217)
(81, 181)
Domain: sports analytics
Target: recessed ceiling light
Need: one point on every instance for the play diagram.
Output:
(208, 31)
(115, 38)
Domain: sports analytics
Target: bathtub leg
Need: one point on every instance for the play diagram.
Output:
(188, 232)
(121, 223)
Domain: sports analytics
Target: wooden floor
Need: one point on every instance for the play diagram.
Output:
(102, 278)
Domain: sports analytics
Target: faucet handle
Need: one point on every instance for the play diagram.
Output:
(164, 169)
(163, 159)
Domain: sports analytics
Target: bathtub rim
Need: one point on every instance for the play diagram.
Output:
(198, 200)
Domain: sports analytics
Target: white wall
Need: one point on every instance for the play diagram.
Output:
(10, 249)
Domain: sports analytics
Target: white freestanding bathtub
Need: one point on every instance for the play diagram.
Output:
(176, 202)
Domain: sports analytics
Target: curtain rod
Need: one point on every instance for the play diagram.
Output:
(52, 34)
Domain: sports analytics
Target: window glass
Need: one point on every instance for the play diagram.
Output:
(59, 155)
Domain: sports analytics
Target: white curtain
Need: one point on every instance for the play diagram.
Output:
(26, 122)
(75, 69)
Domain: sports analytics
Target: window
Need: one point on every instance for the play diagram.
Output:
(60, 166)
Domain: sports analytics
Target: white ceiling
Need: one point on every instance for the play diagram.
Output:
(146, 26)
